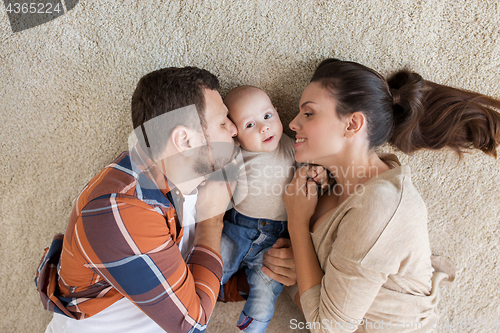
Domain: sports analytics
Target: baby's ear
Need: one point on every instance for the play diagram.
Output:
(276, 109)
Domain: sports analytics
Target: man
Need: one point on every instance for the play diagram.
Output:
(130, 260)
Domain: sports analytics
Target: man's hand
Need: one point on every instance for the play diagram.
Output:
(279, 263)
(213, 200)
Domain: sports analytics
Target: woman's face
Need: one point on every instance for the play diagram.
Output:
(320, 133)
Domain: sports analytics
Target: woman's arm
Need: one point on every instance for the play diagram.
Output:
(345, 290)
(346, 293)
(279, 261)
(300, 199)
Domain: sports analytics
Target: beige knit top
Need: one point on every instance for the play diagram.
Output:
(375, 253)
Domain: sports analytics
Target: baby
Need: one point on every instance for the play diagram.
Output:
(258, 217)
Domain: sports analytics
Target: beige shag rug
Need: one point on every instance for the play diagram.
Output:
(65, 94)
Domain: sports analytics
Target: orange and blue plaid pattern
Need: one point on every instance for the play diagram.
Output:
(121, 241)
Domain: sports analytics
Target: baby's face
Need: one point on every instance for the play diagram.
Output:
(259, 125)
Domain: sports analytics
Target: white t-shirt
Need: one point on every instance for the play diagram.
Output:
(189, 220)
(124, 316)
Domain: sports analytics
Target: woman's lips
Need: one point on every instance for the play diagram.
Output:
(299, 141)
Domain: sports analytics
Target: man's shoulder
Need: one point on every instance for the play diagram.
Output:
(117, 177)
(128, 178)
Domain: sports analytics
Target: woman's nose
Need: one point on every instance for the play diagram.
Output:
(293, 124)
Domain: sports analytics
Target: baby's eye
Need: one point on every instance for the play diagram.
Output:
(249, 125)
(223, 125)
(267, 116)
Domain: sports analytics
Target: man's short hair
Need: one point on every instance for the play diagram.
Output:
(165, 90)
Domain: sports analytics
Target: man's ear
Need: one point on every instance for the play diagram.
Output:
(181, 139)
(355, 122)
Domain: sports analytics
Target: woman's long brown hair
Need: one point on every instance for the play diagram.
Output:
(410, 112)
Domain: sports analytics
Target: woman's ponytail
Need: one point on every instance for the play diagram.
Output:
(433, 116)
(407, 90)
(409, 112)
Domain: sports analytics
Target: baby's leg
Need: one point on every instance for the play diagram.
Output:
(259, 307)
(236, 241)
(231, 258)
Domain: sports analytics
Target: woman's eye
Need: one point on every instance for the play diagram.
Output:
(307, 114)
(249, 125)
(267, 116)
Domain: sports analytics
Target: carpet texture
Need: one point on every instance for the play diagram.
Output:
(65, 94)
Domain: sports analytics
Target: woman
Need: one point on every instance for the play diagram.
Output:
(362, 253)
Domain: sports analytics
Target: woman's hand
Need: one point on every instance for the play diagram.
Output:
(300, 198)
(279, 263)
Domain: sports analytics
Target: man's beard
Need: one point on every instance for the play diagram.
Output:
(223, 157)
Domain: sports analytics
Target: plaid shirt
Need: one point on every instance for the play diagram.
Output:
(121, 241)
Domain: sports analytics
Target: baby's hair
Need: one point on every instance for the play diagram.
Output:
(238, 92)
(410, 112)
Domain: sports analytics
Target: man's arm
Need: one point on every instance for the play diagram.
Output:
(208, 233)
(130, 245)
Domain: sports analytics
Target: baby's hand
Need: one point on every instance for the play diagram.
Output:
(318, 174)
